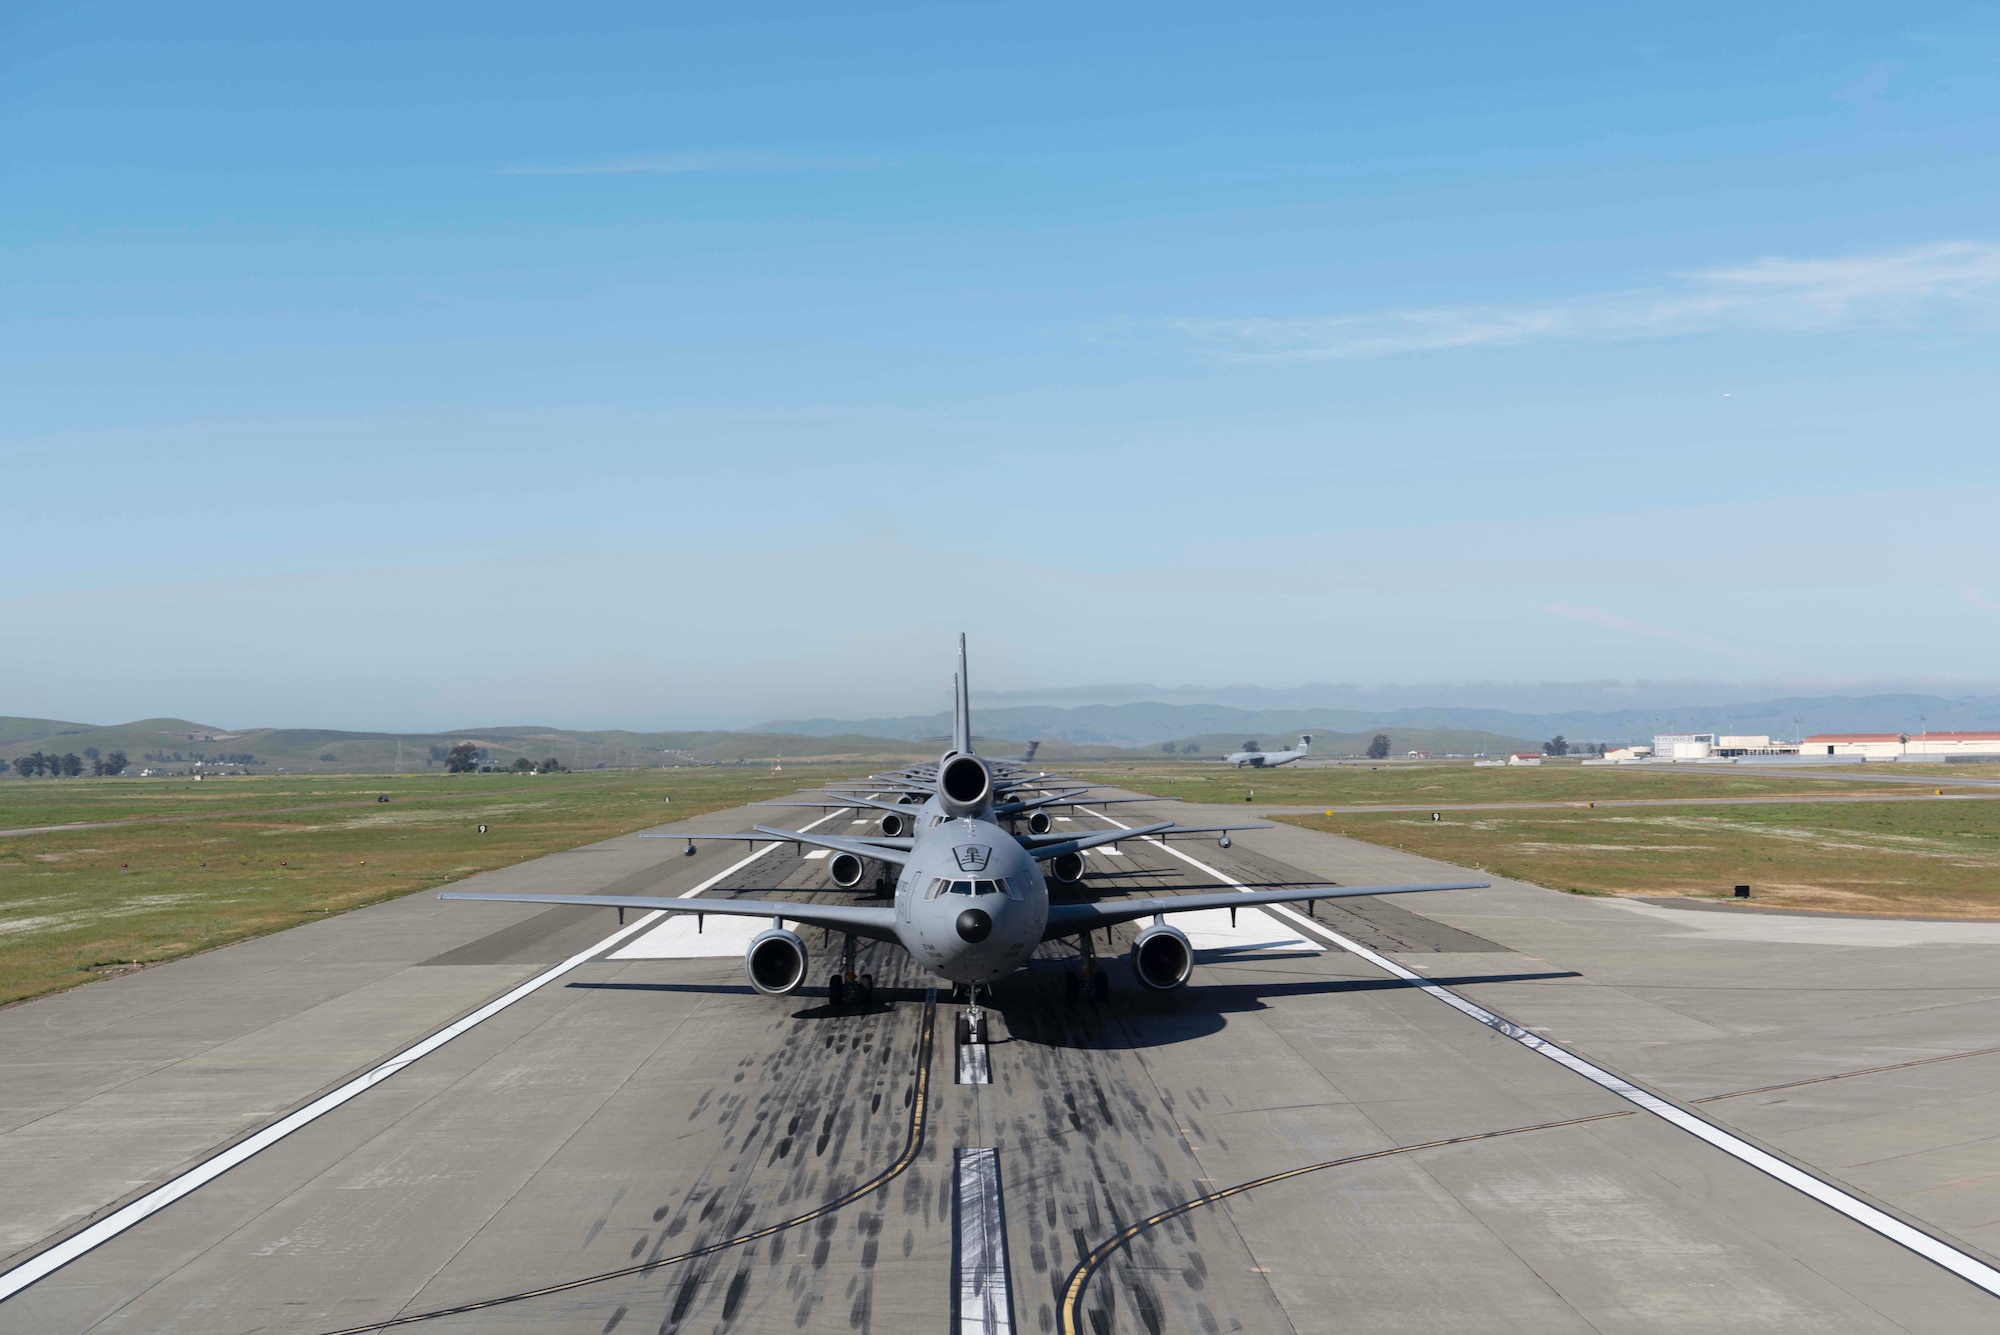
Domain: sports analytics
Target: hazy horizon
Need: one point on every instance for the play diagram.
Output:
(1525, 698)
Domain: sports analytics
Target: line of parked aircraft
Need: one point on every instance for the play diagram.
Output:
(970, 846)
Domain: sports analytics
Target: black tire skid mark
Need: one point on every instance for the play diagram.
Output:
(792, 1072)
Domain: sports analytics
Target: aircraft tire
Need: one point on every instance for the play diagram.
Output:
(1101, 983)
(962, 1029)
(1073, 987)
(867, 991)
(836, 989)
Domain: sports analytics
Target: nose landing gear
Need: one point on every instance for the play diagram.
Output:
(971, 1026)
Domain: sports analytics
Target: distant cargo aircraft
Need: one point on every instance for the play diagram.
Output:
(971, 902)
(1256, 759)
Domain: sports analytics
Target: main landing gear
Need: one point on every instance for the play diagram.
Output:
(1089, 978)
(847, 987)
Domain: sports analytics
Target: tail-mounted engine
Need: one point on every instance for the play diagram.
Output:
(776, 962)
(1162, 959)
(965, 785)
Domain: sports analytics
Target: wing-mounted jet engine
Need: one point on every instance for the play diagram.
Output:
(894, 824)
(1162, 957)
(776, 962)
(845, 870)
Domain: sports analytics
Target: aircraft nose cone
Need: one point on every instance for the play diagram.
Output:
(974, 925)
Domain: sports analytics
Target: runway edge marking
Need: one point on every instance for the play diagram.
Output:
(81, 1243)
(1933, 1249)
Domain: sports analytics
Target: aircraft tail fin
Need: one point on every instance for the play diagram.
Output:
(961, 704)
(1305, 741)
(1029, 754)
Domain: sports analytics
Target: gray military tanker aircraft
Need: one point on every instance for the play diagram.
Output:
(971, 899)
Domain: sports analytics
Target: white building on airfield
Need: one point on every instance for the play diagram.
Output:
(1904, 746)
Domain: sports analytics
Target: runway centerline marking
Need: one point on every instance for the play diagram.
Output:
(1935, 1250)
(982, 1301)
(46, 1263)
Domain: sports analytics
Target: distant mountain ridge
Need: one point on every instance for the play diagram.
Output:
(1151, 723)
(176, 744)
(1078, 732)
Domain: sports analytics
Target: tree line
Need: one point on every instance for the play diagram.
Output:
(468, 758)
(70, 765)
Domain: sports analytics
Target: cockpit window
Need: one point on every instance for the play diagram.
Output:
(996, 886)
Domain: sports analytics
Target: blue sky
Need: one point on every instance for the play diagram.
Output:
(407, 367)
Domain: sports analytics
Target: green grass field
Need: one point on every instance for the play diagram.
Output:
(270, 853)
(1937, 858)
(1556, 781)
(205, 863)
(1928, 858)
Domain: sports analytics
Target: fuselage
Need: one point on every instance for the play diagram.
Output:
(970, 902)
(1263, 759)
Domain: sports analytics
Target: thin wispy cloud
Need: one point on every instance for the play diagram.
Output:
(670, 164)
(1773, 295)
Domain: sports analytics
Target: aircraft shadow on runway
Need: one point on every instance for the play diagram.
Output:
(1132, 1018)
(1034, 1008)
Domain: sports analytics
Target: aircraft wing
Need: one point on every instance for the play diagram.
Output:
(1014, 806)
(877, 846)
(882, 847)
(1216, 829)
(852, 800)
(1165, 829)
(1078, 842)
(876, 923)
(1071, 919)
(839, 802)
(874, 803)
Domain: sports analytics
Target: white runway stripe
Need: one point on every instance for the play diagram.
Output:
(1253, 932)
(982, 1298)
(1967, 1267)
(158, 1199)
(974, 1067)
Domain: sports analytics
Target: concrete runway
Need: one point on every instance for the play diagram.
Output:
(636, 1110)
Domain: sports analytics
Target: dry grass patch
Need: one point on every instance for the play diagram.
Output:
(1460, 781)
(1931, 858)
(78, 904)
